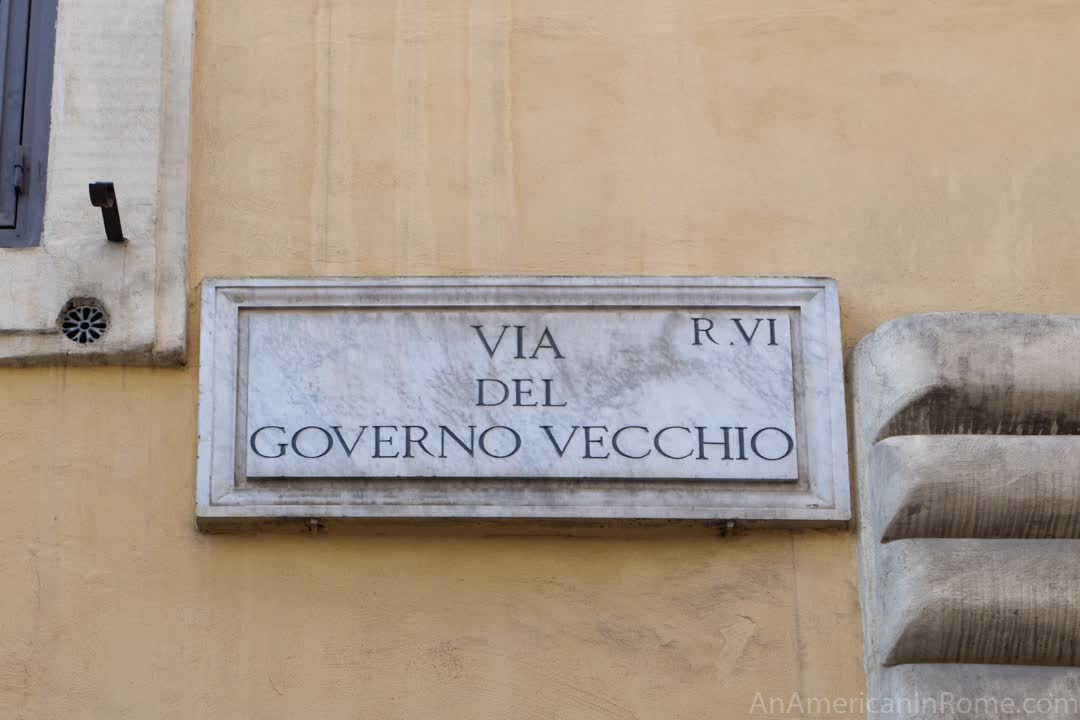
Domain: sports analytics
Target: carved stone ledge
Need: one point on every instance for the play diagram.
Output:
(933, 691)
(975, 486)
(968, 373)
(978, 601)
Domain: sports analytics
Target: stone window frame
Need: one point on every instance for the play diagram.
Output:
(120, 112)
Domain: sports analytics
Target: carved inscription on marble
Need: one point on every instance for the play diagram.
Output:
(663, 393)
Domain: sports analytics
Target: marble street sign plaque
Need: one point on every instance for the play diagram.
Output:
(665, 398)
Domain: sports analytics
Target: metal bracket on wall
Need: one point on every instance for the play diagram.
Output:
(103, 195)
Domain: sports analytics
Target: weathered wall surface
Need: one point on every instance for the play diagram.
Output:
(923, 154)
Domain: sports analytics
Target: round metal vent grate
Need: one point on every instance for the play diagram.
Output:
(83, 321)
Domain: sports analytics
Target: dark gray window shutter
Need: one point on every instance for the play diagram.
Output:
(14, 27)
(27, 29)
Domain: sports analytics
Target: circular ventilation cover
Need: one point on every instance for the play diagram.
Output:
(83, 321)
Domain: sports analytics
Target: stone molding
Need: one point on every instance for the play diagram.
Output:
(966, 455)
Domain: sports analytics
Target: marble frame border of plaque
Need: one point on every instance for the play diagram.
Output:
(226, 499)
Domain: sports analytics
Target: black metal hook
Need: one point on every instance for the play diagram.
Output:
(103, 195)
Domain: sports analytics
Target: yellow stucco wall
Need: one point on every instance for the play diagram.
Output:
(927, 155)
